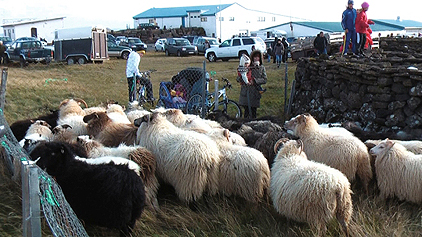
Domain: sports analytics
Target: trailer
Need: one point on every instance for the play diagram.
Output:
(80, 45)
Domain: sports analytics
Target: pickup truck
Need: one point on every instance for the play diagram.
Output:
(26, 50)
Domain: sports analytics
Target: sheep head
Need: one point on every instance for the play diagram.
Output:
(288, 146)
(147, 119)
(382, 148)
(51, 156)
(60, 128)
(41, 123)
(301, 124)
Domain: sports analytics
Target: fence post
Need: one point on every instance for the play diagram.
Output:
(286, 82)
(31, 211)
(216, 95)
(204, 84)
(3, 87)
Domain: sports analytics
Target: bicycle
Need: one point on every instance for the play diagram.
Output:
(141, 89)
(230, 107)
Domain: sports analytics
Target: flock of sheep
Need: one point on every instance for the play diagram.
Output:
(109, 156)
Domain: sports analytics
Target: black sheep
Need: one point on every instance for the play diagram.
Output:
(104, 194)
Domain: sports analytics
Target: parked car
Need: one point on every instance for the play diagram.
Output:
(7, 41)
(134, 43)
(120, 38)
(26, 50)
(200, 43)
(118, 51)
(145, 26)
(111, 38)
(180, 47)
(159, 44)
(191, 38)
(234, 48)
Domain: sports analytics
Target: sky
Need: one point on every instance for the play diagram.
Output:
(118, 15)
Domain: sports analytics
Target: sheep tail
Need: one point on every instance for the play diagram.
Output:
(344, 208)
(364, 170)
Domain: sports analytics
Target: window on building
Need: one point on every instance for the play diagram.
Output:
(221, 18)
(203, 19)
(231, 19)
(273, 18)
(261, 19)
(191, 16)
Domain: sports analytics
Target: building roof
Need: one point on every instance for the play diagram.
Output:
(402, 23)
(23, 22)
(380, 25)
(209, 10)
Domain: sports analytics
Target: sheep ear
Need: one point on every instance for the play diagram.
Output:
(32, 121)
(389, 143)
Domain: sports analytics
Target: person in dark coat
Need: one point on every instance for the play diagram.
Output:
(2, 53)
(320, 43)
(273, 46)
(286, 47)
(250, 94)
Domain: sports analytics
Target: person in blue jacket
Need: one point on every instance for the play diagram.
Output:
(348, 24)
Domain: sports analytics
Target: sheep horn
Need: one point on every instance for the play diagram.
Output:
(63, 102)
(300, 143)
(277, 144)
(66, 126)
(81, 101)
(226, 133)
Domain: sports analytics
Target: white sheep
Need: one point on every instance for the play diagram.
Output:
(116, 113)
(140, 155)
(414, 146)
(71, 113)
(244, 171)
(196, 123)
(37, 131)
(308, 191)
(185, 159)
(398, 171)
(340, 151)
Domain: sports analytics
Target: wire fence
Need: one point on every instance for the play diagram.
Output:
(38, 188)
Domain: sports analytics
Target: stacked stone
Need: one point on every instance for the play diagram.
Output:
(382, 93)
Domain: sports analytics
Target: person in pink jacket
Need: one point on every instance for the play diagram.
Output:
(362, 25)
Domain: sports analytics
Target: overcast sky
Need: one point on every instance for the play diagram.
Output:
(118, 14)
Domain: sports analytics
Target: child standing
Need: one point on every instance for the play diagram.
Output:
(244, 70)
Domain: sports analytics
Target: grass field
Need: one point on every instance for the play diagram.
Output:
(34, 90)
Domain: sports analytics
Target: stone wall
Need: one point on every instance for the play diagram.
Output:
(382, 92)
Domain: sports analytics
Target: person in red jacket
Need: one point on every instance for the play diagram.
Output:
(362, 25)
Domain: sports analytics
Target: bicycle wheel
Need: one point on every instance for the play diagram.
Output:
(194, 105)
(232, 109)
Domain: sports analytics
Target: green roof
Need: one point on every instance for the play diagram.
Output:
(209, 10)
(380, 25)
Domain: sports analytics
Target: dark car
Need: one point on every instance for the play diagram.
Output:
(180, 47)
(7, 41)
(26, 50)
(134, 43)
(145, 26)
(118, 51)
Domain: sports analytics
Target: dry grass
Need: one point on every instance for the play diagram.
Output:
(34, 90)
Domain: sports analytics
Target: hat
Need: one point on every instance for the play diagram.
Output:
(365, 5)
(350, 2)
(142, 52)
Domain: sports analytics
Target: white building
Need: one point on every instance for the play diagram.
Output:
(221, 21)
(33, 28)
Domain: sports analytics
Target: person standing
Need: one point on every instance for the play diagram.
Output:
(348, 24)
(278, 51)
(320, 43)
(133, 75)
(286, 47)
(2, 53)
(362, 26)
(273, 46)
(250, 94)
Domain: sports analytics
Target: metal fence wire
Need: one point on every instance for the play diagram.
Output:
(56, 210)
